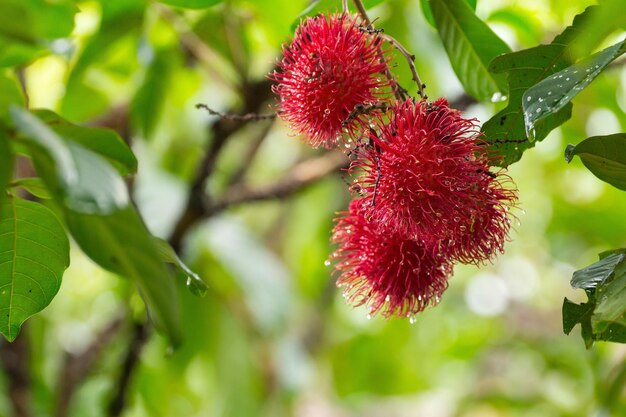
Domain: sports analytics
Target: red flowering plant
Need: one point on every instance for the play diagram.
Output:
(329, 68)
(427, 177)
(383, 268)
(426, 197)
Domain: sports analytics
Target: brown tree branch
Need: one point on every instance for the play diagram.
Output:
(14, 357)
(410, 58)
(76, 367)
(248, 157)
(254, 96)
(141, 335)
(299, 177)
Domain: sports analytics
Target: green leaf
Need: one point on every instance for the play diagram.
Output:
(194, 283)
(105, 142)
(34, 185)
(26, 26)
(191, 4)
(428, 13)
(555, 92)
(603, 317)
(6, 164)
(596, 273)
(84, 181)
(470, 45)
(574, 314)
(29, 20)
(609, 18)
(120, 243)
(506, 130)
(34, 252)
(604, 156)
(611, 298)
(150, 98)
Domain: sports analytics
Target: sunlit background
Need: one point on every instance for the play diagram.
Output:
(273, 337)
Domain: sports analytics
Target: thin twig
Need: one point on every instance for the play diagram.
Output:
(361, 109)
(254, 95)
(344, 6)
(248, 156)
(141, 334)
(299, 177)
(239, 117)
(398, 91)
(76, 367)
(410, 58)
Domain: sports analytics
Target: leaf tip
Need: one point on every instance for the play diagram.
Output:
(569, 153)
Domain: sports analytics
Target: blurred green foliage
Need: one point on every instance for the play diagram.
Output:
(273, 337)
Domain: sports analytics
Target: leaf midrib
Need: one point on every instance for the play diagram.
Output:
(14, 208)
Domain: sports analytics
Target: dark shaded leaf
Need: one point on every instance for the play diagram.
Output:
(603, 317)
(470, 45)
(574, 314)
(604, 156)
(506, 131)
(84, 181)
(34, 252)
(555, 92)
(194, 283)
(611, 298)
(120, 243)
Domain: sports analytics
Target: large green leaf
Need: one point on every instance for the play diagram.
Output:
(26, 26)
(84, 181)
(428, 13)
(555, 92)
(121, 243)
(194, 283)
(604, 156)
(506, 131)
(470, 45)
(603, 316)
(105, 142)
(34, 252)
(191, 4)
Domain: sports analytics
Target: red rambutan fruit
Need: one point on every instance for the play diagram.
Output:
(384, 270)
(427, 177)
(329, 68)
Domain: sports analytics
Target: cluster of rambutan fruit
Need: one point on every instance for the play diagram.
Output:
(425, 196)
